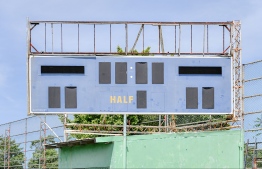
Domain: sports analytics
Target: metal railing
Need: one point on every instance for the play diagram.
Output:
(21, 142)
(103, 37)
(253, 113)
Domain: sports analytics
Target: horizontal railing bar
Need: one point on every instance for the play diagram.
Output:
(129, 54)
(253, 130)
(255, 143)
(104, 133)
(133, 22)
(255, 112)
(154, 130)
(259, 78)
(257, 95)
(246, 64)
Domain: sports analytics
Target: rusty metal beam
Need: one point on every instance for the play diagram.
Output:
(133, 22)
(129, 53)
(138, 35)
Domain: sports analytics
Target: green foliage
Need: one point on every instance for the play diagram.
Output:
(119, 50)
(109, 120)
(140, 120)
(187, 120)
(258, 124)
(16, 158)
(146, 51)
(49, 156)
(134, 52)
(250, 155)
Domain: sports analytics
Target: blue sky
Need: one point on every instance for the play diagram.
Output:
(14, 13)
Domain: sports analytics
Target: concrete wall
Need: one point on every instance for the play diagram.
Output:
(220, 149)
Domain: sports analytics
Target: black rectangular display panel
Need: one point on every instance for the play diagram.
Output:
(208, 97)
(185, 70)
(191, 98)
(104, 73)
(141, 100)
(141, 72)
(54, 97)
(63, 69)
(157, 73)
(70, 97)
(121, 73)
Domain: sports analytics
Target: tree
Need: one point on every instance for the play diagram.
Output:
(42, 157)
(10, 154)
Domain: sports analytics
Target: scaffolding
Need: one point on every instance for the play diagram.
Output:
(22, 142)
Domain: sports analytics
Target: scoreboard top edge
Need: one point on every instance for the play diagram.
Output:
(131, 56)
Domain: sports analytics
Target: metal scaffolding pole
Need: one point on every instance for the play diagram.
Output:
(124, 143)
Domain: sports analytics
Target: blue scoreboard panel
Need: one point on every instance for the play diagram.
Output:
(130, 84)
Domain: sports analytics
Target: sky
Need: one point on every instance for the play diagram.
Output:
(13, 27)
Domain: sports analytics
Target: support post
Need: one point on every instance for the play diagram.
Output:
(25, 158)
(5, 154)
(65, 134)
(159, 123)
(124, 142)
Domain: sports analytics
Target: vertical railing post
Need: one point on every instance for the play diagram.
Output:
(5, 155)
(25, 159)
(94, 38)
(52, 38)
(143, 38)
(126, 48)
(110, 39)
(44, 162)
(45, 37)
(204, 37)
(179, 43)
(207, 39)
(175, 38)
(124, 143)
(78, 38)
(223, 39)
(65, 133)
(9, 146)
(159, 124)
(40, 145)
(61, 37)
(191, 41)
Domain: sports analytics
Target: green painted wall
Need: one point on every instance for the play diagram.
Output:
(86, 156)
(217, 149)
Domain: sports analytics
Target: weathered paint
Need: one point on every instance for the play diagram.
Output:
(220, 149)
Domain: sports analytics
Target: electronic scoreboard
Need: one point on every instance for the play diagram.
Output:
(130, 85)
